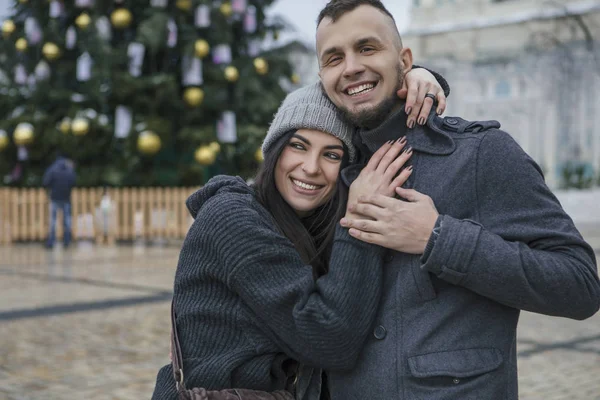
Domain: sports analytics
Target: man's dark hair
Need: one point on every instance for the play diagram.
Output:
(336, 8)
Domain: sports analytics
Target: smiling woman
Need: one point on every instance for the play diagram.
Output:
(268, 281)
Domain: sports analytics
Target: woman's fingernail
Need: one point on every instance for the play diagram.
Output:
(410, 168)
(408, 110)
(411, 123)
(421, 121)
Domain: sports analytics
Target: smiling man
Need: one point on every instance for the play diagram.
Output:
(476, 237)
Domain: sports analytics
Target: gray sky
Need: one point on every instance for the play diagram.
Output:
(300, 13)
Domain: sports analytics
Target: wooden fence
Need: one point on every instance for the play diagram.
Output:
(131, 213)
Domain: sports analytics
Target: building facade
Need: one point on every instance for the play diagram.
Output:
(533, 65)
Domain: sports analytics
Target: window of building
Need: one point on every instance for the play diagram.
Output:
(503, 89)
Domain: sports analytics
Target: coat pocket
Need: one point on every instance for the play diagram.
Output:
(459, 374)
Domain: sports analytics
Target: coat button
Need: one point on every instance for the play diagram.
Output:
(451, 121)
(380, 332)
(456, 381)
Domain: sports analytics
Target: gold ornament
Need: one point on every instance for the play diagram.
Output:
(83, 21)
(21, 44)
(231, 73)
(204, 155)
(51, 51)
(8, 27)
(261, 65)
(202, 48)
(295, 78)
(23, 134)
(65, 125)
(193, 96)
(121, 18)
(3, 140)
(226, 9)
(80, 126)
(184, 5)
(215, 146)
(258, 155)
(148, 143)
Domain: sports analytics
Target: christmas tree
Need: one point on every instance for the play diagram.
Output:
(138, 92)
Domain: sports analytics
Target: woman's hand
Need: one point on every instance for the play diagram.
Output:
(380, 176)
(417, 83)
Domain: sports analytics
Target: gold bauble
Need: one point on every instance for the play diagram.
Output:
(231, 73)
(258, 155)
(184, 5)
(148, 143)
(261, 65)
(80, 126)
(295, 78)
(65, 125)
(201, 48)
(83, 21)
(121, 18)
(8, 27)
(204, 155)
(3, 140)
(226, 9)
(215, 146)
(193, 96)
(51, 51)
(23, 134)
(21, 44)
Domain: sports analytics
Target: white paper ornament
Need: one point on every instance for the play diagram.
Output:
(56, 9)
(253, 47)
(250, 20)
(159, 3)
(104, 28)
(42, 71)
(202, 16)
(17, 112)
(222, 54)
(172, 35)
(84, 67)
(22, 153)
(84, 3)
(136, 51)
(89, 113)
(20, 74)
(70, 38)
(191, 71)
(226, 128)
(123, 121)
(31, 82)
(239, 6)
(33, 32)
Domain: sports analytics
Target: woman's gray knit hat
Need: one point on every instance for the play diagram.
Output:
(309, 108)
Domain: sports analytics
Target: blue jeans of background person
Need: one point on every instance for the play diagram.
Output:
(65, 206)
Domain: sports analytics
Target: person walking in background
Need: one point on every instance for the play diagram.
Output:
(59, 179)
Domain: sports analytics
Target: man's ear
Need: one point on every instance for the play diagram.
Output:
(406, 59)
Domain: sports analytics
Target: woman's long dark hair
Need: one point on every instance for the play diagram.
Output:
(312, 236)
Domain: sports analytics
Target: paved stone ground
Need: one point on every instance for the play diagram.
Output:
(93, 323)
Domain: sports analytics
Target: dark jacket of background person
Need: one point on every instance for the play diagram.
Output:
(447, 322)
(59, 178)
(246, 302)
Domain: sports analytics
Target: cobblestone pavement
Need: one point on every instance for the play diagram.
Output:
(93, 323)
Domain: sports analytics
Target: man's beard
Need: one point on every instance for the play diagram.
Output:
(372, 117)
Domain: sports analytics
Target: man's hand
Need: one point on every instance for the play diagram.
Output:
(417, 83)
(399, 225)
